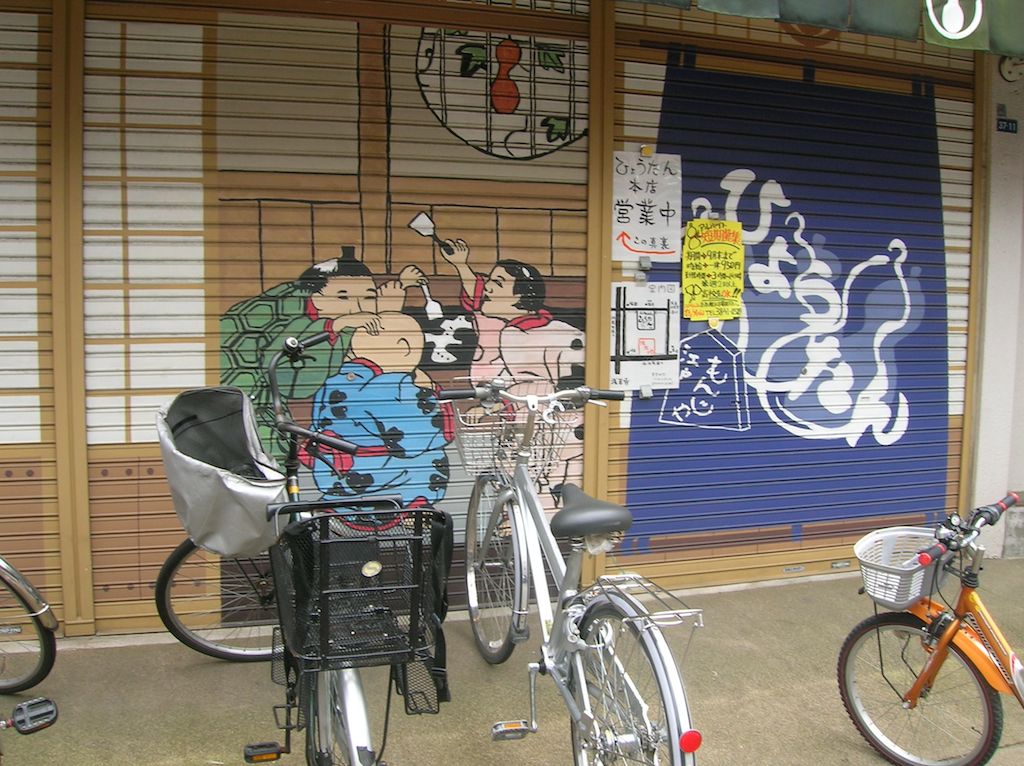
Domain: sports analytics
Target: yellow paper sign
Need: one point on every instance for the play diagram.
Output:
(713, 270)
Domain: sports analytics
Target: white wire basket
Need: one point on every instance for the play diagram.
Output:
(490, 436)
(892, 575)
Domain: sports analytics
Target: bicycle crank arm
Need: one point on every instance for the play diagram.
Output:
(506, 730)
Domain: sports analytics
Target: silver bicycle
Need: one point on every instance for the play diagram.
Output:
(352, 588)
(602, 646)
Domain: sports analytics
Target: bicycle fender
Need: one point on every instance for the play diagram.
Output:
(970, 644)
(20, 585)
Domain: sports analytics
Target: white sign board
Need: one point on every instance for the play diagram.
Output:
(645, 335)
(646, 201)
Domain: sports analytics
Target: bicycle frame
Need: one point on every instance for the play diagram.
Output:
(542, 549)
(976, 633)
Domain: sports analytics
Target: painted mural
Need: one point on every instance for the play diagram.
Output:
(432, 299)
(838, 363)
(531, 93)
(375, 381)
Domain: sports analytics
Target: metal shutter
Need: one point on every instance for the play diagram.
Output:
(227, 154)
(28, 509)
(836, 404)
(144, 271)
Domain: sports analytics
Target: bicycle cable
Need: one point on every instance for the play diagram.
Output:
(387, 718)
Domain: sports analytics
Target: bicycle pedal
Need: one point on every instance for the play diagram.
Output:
(506, 730)
(263, 752)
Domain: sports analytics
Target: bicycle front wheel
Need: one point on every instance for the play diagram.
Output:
(27, 649)
(221, 606)
(496, 572)
(633, 689)
(957, 722)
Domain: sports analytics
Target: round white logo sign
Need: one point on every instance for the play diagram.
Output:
(952, 21)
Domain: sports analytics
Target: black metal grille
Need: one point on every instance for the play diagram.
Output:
(350, 588)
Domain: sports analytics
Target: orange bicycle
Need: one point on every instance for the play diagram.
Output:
(922, 684)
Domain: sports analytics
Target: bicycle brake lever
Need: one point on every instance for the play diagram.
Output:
(548, 416)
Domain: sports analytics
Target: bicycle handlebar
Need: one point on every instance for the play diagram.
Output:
(458, 393)
(965, 533)
(380, 502)
(496, 389)
(290, 427)
(294, 349)
(607, 394)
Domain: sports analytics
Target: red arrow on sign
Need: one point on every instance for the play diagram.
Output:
(624, 240)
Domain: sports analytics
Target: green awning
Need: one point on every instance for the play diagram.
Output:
(988, 25)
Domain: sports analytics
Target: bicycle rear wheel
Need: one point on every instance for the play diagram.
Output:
(223, 607)
(958, 721)
(633, 688)
(496, 585)
(27, 649)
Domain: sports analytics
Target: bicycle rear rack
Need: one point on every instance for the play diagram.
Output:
(670, 611)
(665, 609)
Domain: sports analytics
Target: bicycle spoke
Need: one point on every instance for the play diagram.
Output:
(626, 699)
(220, 606)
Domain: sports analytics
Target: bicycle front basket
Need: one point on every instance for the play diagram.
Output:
(350, 588)
(489, 438)
(892, 576)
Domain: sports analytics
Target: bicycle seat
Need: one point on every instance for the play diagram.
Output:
(583, 515)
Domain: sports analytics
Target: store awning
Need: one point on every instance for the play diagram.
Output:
(987, 25)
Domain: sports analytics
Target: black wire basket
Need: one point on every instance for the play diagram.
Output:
(354, 589)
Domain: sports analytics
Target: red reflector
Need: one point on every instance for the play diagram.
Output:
(690, 741)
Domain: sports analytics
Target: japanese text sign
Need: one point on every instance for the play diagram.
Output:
(713, 270)
(647, 196)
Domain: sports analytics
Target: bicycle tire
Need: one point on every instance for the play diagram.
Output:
(496, 572)
(633, 689)
(880, 660)
(220, 606)
(27, 648)
(334, 745)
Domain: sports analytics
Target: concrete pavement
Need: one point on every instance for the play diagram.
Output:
(760, 677)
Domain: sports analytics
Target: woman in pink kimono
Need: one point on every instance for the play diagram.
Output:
(520, 338)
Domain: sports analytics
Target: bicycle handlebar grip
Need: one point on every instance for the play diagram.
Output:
(992, 513)
(330, 441)
(457, 393)
(604, 393)
(930, 554)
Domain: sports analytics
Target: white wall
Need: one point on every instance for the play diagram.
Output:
(999, 446)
